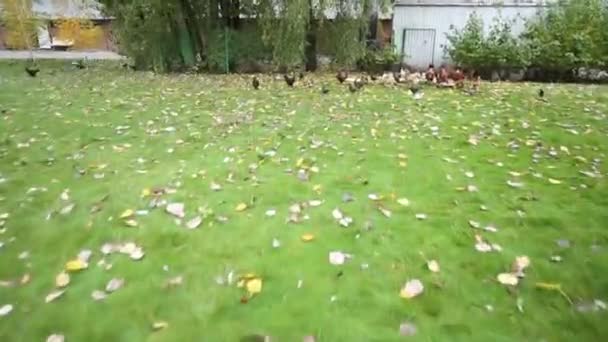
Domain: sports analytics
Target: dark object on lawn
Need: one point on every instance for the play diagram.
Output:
(128, 66)
(301, 75)
(324, 90)
(342, 76)
(397, 77)
(289, 79)
(255, 338)
(79, 64)
(414, 89)
(541, 93)
(255, 83)
(359, 83)
(32, 71)
(353, 89)
(373, 77)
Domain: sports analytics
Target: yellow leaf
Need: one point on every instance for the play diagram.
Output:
(404, 202)
(75, 265)
(308, 237)
(62, 279)
(549, 286)
(554, 181)
(145, 192)
(131, 223)
(507, 279)
(254, 286)
(433, 266)
(317, 188)
(127, 213)
(241, 207)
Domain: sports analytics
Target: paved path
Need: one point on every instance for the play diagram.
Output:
(47, 54)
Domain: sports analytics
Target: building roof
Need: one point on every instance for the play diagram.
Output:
(458, 3)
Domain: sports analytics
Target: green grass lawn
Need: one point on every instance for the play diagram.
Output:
(103, 136)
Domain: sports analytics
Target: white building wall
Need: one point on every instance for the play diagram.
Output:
(442, 17)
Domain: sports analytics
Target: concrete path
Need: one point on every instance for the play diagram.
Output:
(48, 54)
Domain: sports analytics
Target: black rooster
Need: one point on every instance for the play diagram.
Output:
(342, 76)
(32, 70)
(289, 79)
(255, 83)
(541, 93)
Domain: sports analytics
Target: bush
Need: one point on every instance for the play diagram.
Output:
(378, 60)
(498, 50)
(572, 34)
(243, 48)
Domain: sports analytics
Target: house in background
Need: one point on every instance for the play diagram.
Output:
(420, 26)
(67, 24)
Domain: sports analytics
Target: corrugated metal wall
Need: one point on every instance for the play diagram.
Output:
(441, 19)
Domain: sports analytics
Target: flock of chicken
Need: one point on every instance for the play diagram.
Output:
(443, 79)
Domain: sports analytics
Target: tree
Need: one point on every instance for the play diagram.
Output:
(19, 21)
(173, 34)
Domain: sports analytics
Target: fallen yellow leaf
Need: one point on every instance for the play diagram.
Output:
(62, 279)
(254, 286)
(241, 207)
(549, 286)
(145, 192)
(307, 237)
(131, 223)
(75, 265)
(127, 213)
(554, 181)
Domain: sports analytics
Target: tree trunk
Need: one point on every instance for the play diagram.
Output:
(311, 40)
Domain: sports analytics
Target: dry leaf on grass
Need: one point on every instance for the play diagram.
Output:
(127, 213)
(53, 295)
(433, 266)
(403, 202)
(307, 237)
(62, 279)
(194, 222)
(5, 309)
(509, 279)
(160, 325)
(114, 284)
(55, 338)
(240, 207)
(176, 209)
(98, 295)
(75, 265)
(411, 289)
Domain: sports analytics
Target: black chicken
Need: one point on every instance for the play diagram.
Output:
(32, 71)
(289, 79)
(255, 83)
(541, 93)
(324, 90)
(342, 76)
(373, 77)
(301, 75)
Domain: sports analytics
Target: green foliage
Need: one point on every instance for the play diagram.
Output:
(378, 60)
(467, 46)
(571, 34)
(499, 49)
(241, 47)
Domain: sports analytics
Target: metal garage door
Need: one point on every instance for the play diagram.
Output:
(418, 47)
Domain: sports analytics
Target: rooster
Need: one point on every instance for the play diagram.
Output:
(397, 77)
(32, 70)
(458, 77)
(342, 76)
(289, 79)
(359, 83)
(255, 83)
(430, 74)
